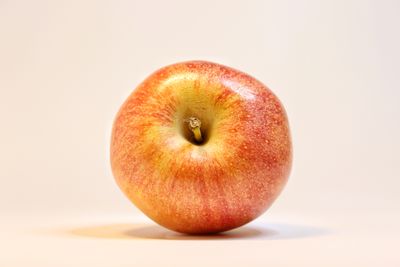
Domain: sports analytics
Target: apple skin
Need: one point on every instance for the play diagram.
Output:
(227, 181)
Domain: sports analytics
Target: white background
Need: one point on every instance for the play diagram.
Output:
(67, 66)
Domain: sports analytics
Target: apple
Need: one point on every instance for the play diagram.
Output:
(201, 148)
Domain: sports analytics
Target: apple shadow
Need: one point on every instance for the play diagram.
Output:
(145, 231)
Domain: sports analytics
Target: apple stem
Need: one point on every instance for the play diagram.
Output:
(194, 126)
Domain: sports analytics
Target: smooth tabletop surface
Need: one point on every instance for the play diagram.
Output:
(121, 240)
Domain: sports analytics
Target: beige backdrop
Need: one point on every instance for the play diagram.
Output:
(66, 67)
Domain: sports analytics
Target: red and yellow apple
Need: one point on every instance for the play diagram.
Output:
(201, 148)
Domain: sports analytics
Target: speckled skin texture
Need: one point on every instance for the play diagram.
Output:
(227, 181)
